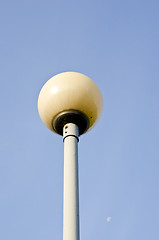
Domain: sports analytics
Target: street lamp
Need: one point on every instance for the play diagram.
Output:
(69, 104)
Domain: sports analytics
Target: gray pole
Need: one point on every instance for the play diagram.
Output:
(71, 192)
(69, 104)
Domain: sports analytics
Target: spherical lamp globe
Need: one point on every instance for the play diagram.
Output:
(70, 97)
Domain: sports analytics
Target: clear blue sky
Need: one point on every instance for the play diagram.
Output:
(116, 43)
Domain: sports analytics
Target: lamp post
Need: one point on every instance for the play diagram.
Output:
(69, 104)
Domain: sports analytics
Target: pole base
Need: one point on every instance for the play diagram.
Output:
(70, 116)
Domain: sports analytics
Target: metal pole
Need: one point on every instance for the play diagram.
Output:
(71, 193)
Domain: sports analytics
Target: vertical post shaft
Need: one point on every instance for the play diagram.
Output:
(71, 192)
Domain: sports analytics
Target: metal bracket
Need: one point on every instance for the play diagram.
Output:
(70, 116)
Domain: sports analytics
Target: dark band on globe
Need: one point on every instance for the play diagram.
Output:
(70, 116)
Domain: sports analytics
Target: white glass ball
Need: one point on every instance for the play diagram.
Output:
(69, 91)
